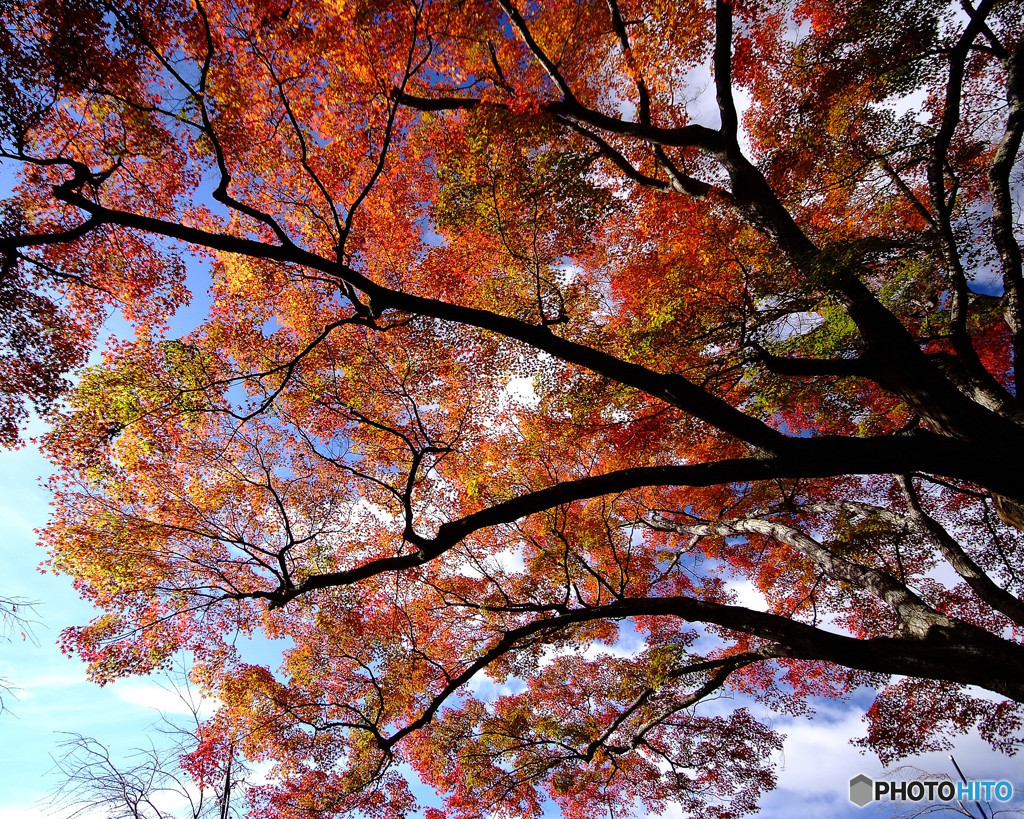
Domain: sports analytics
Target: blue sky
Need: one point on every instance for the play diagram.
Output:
(50, 691)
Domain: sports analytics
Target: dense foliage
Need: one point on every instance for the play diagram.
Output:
(538, 336)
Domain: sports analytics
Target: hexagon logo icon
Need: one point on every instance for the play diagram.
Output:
(861, 790)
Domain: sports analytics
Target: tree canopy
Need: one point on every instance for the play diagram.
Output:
(537, 333)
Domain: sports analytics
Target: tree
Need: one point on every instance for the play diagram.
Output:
(535, 328)
(17, 617)
(154, 784)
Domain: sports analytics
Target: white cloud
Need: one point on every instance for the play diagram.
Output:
(28, 687)
(817, 758)
(27, 812)
(487, 690)
(818, 761)
(165, 699)
(747, 594)
(793, 324)
(519, 391)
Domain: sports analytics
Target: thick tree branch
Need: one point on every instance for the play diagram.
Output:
(912, 613)
(643, 95)
(983, 585)
(959, 653)
(805, 458)
(616, 158)
(723, 73)
(673, 389)
(809, 367)
(942, 207)
(519, 24)
(1002, 210)
(698, 136)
